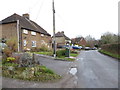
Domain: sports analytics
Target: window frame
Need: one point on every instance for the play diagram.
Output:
(25, 31)
(34, 44)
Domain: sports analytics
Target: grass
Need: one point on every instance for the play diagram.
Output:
(44, 53)
(65, 58)
(61, 57)
(36, 73)
(73, 54)
(110, 54)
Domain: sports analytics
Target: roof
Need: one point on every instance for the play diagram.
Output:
(61, 34)
(24, 23)
(78, 39)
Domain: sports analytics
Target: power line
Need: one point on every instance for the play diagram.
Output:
(41, 5)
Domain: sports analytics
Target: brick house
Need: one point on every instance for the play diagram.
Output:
(79, 41)
(27, 33)
(62, 39)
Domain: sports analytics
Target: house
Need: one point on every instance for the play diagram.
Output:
(62, 39)
(79, 41)
(27, 33)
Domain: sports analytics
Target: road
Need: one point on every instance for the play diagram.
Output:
(96, 70)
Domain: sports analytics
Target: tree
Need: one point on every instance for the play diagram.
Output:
(108, 38)
(90, 41)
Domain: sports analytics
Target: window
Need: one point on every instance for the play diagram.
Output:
(25, 31)
(42, 35)
(33, 43)
(33, 33)
(24, 43)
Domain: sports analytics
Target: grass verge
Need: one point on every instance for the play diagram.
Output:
(44, 53)
(37, 73)
(73, 54)
(65, 58)
(110, 54)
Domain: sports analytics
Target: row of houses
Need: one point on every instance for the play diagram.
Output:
(29, 34)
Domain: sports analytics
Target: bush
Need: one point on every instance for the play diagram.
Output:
(10, 59)
(7, 52)
(112, 48)
(35, 49)
(28, 60)
(43, 48)
(61, 53)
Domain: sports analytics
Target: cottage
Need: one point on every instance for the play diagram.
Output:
(62, 39)
(27, 33)
(79, 41)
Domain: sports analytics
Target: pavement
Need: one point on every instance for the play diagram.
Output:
(58, 66)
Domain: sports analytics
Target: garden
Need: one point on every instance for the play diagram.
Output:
(24, 66)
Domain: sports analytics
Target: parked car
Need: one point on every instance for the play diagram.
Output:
(76, 47)
(87, 48)
(94, 48)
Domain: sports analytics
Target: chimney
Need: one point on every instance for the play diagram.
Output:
(62, 32)
(26, 15)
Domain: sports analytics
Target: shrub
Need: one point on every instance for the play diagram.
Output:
(43, 48)
(28, 60)
(61, 53)
(7, 52)
(35, 49)
(12, 44)
(113, 48)
(10, 59)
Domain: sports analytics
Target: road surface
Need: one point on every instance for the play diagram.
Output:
(96, 70)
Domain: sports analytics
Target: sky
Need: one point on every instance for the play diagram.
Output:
(74, 17)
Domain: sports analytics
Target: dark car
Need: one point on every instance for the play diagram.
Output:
(76, 47)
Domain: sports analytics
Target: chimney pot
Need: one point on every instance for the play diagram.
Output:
(26, 15)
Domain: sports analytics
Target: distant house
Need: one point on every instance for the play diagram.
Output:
(27, 33)
(79, 41)
(62, 39)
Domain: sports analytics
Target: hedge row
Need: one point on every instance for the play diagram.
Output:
(112, 48)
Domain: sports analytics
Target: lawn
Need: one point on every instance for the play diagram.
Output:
(73, 54)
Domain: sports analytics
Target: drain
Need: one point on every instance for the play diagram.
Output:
(73, 71)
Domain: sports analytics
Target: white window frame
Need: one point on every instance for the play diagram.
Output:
(33, 33)
(24, 43)
(42, 35)
(33, 43)
(25, 31)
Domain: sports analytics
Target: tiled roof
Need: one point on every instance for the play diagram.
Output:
(24, 23)
(61, 34)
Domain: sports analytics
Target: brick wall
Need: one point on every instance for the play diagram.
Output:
(40, 40)
(8, 31)
(60, 40)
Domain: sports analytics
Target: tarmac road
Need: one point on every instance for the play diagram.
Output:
(96, 70)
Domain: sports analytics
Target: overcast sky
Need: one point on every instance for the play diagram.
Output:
(74, 17)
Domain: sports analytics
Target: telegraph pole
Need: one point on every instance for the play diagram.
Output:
(54, 42)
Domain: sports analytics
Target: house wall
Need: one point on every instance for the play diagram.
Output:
(8, 31)
(82, 42)
(40, 40)
(60, 40)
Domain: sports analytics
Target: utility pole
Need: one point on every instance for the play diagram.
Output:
(54, 41)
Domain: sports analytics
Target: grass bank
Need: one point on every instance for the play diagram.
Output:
(110, 54)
